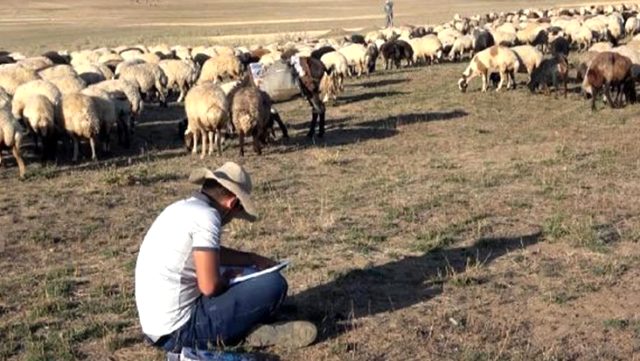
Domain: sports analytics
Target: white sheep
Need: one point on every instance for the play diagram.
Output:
(207, 112)
(504, 38)
(428, 47)
(270, 58)
(35, 87)
(529, 58)
(68, 84)
(114, 111)
(338, 62)
(11, 137)
(182, 52)
(601, 46)
(94, 73)
(463, 45)
(80, 118)
(149, 78)
(57, 71)
(36, 63)
(130, 90)
(356, 55)
(496, 58)
(181, 74)
(13, 75)
(39, 115)
(632, 25)
(219, 66)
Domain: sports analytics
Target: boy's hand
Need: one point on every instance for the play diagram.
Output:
(231, 273)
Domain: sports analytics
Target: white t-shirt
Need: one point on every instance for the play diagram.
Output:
(166, 284)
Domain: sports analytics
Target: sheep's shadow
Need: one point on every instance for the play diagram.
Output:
(393, 121)
(380, 83)
(333, 122)
(343, 132)
(349, 99)
(397, 285)
(338, 136)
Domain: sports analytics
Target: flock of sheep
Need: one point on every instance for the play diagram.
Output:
(62, 98)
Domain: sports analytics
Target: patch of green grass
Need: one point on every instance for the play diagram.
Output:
(554, 227)
(584, 234)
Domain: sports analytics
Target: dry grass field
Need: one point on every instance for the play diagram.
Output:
(427, 225)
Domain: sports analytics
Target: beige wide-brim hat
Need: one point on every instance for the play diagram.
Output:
(236, 180)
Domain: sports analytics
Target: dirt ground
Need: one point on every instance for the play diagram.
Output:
(427, 225)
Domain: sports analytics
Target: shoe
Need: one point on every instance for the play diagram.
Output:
(294, 334)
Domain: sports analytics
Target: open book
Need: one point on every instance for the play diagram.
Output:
(252, 272)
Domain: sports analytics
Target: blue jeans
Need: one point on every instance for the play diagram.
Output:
(228, 318)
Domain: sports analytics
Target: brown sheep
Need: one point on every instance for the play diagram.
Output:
(609, 70)
(250, 113)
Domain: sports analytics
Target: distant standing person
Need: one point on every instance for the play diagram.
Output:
(388, 9)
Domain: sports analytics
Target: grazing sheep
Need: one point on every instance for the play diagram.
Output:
(582, 38)
(94, 73)
(427, 49)
(336, 61)
(356, 55)
(149, 78)
(496, 58)
(14, 75)
(181, 74)
(219, 66)
(482, 39)
(114, 111)
(461, 46)
(560, 46)
(551, 71)
(318, 53)
(11, 138)
(68, 84)
(270, 58)
(39, 116)
(504, 38)
(56, 71)
(125, 64)
(207, 112)
(130, 90)
(250, 113)
(529, 58)
(533, 34)
(79, 117)
(182, 52)
(394, 51)
(57, 58)
(371, 57)
(35, 87)
(607, 70)
(36, 63)
(632, 25)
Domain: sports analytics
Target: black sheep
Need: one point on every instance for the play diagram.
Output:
(482, 40)
(318, 53)
(560, 46)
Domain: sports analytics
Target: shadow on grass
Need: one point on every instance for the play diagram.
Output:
(350, 99)
(394, 121)
(338, 134)
(397, 285)
(383, 82)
